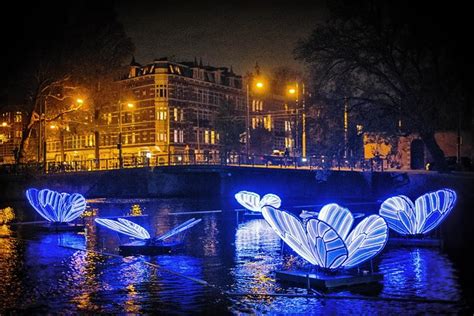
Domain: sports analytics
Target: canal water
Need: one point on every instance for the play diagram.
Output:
(226, 266)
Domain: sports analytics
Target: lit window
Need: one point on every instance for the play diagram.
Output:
(213, 137)
(206, 137)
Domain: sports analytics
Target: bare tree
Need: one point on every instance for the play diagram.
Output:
(387, 66)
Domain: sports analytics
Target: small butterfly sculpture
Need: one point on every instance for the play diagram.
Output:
(425, 215)
(131, 229)
(56, 207)
(327, 240)
(252, 201)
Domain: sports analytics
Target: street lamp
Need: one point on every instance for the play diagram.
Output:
(294, 91)
(119, 145)
(259, 84)
(80, 103)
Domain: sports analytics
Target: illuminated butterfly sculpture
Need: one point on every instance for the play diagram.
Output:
(327, 240)
(129, 228)
(252, 201)
(56, 207)
(428, 211)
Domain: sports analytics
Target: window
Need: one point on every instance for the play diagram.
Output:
(175, 132)
(162, 115)
(175, 114)
(161, 91)
(213, 137)
(17, 117)
(206, 137)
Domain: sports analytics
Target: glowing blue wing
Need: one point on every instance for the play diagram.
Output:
(339, 218)
(399, 212)
(181, 227)
(249, 200)
(56, 207)
(366, 240)
(291, 230)
(252, 202)
(328, 247)
(125, 227)
(270, 199)
(432, 208)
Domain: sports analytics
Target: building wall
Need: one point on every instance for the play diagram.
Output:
(174, 113)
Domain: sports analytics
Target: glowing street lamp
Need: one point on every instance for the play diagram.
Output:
(294, 92)
(4, 124)
(258, 85)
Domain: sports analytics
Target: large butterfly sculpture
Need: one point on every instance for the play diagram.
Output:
(428, 211)
(56, 207)
(327, 240)
(252, 201)
(129, 228)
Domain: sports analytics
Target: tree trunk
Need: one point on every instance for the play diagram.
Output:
(436, 153)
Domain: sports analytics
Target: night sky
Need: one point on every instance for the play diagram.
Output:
(226, 34)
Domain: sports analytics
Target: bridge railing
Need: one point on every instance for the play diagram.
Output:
(230, 159)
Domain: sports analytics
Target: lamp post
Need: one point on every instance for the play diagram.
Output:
(258, 85)
(119, 145)
(296, 92)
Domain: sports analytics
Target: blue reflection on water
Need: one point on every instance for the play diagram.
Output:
(46, 274)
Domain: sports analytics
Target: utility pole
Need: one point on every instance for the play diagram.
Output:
(247, 122)
(303, 127)
(346, 127)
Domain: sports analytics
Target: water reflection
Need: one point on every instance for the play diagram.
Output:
(419, 272)
(45, 274)
(257, 255)
(10, 270)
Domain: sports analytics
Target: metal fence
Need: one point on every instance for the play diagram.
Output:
(231, 159)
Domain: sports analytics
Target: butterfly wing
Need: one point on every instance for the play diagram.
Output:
(366, 240)
(249, 200)
(270, 199)
(73, 205)
(291, 230)
(180, 228)
(339, 218)
(35, 199)
(432, 208)
(399, 212)
(328, 247)
(125, 227)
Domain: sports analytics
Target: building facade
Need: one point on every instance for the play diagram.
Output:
(167, 112)
(11, 128)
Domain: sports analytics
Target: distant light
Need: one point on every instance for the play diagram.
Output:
(304, 159)
(80, 101)
(292, 91)
(52, 126)
(148, 155)
(130, 105)
(428, 211)
(259, 84)
(4, 124)
(180, 158)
